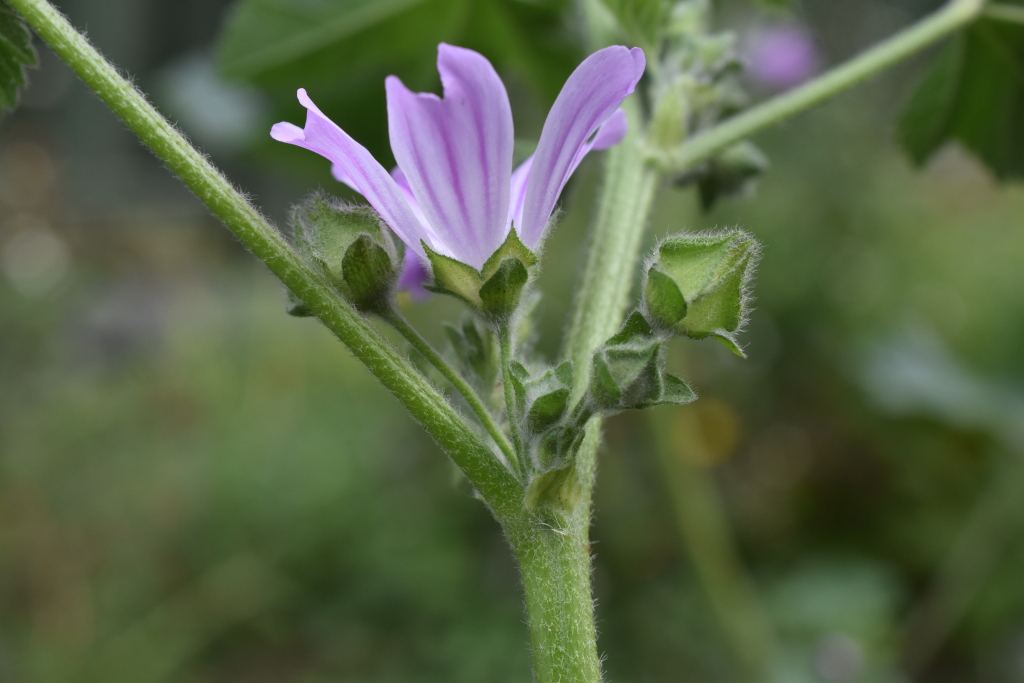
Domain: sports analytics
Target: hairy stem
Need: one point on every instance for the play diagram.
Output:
(555, 566)
(955, 15)
(398, 321)
(505, 341)
(497, 485)
(608, 276)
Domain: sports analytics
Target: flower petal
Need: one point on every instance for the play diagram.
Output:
(415, 274)
(591, 95)
(609, 134)
(520, 178)
(357, 167)
(457, 152)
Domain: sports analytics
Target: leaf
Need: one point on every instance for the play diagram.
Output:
(16, 53)
(641, 20)
(974, 94)
(262, 35)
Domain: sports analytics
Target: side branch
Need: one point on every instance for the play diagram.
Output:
(955, 15)
(497, 485)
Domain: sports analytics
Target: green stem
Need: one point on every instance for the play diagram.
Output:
(555, 566)
(955, 15)
(609, 273)
(505, 341)
(398, 321)
(495, 483)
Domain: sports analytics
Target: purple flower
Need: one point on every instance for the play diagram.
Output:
(454, 187)
(780, 57)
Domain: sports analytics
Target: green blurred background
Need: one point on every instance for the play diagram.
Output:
(195, 487)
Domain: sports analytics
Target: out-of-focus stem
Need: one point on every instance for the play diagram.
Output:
(955, 15)
(708, 538)
(996, 520)
(1013, 14)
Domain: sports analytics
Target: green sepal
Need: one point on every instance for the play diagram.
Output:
(674, 392)
(500, 295)
(350, 246)
(454, 278)
(547, 397)
(729, 342)
(497, 289)
(635, 328)
(558, 489)
(296, 307)
(512, 247)
(368, 274)
(476, 351)
(627, 376)
(732, 172)
(517, 376)
(665, 303)
(712, 273)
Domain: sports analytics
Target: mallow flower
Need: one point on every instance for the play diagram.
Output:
(454, 188)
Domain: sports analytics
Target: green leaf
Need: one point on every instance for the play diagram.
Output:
(547, 410)
(974, 94)
(262, 35)
(641, 20)
(16, 53)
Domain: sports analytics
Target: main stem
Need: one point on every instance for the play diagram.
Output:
(608, 276)
(555, 566)
(502, 491)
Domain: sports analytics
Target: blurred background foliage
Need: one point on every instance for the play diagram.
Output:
(195, 487)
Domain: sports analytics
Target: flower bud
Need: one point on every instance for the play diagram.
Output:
(710, 275)
(352, 248)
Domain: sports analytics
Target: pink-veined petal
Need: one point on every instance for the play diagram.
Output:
(592, 94)
(415, 274)
(457, 152)
(403, 184)
(520, 178)
(357, 166)
(609, 134)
